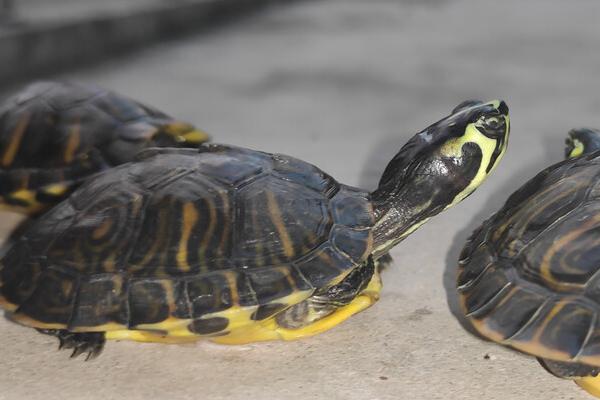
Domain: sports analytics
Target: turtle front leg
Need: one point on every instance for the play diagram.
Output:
(319, 313)
(323, 311)
(91, 343)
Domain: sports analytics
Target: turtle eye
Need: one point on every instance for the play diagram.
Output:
(492, 126)
(492, 123)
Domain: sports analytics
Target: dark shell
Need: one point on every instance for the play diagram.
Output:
(183, 234)
(59, 133)
(529, 276)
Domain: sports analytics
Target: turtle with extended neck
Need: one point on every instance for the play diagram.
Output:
(232, 244)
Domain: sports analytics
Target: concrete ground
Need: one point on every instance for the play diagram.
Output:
(343, 84)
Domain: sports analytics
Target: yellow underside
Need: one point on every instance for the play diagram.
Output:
(241, 331)
(590, 384)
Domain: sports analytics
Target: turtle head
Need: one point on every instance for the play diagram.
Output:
(582, 141)
(439, 167)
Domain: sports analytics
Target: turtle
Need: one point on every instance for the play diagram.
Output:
(528, 277)
(54, 135)
(232, 244)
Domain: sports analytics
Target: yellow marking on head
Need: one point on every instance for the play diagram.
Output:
(72, 142)
(195, 136)
(190, 217)
(578, 148)
(57, 189)
(590, 384)
(277, 220)
(185, 133)
(15, 140)
(487, 145)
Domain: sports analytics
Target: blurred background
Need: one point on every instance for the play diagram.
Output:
(342, 84)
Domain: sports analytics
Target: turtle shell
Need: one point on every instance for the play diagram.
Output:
(53, 135)
(198, 236)
(528, 277)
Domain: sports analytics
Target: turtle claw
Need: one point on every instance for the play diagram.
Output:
(91, 343)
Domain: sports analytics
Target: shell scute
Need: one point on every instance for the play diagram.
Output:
(351, 207)
(513, 311)
(356, 244)
(151, 301)
(208, 293)
(101, 299)
(279, 221)
(294, 170)
(325, 266)
(542, 247)
(52, 299)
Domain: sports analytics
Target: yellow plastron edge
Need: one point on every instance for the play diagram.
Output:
(590, 384)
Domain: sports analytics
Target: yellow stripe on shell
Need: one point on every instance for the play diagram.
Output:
(208, 235)
(276, 218)
(17, 135)
(190, 217)
(557, 246)
(72, 142)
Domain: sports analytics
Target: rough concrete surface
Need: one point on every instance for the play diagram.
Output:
(343, 84)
